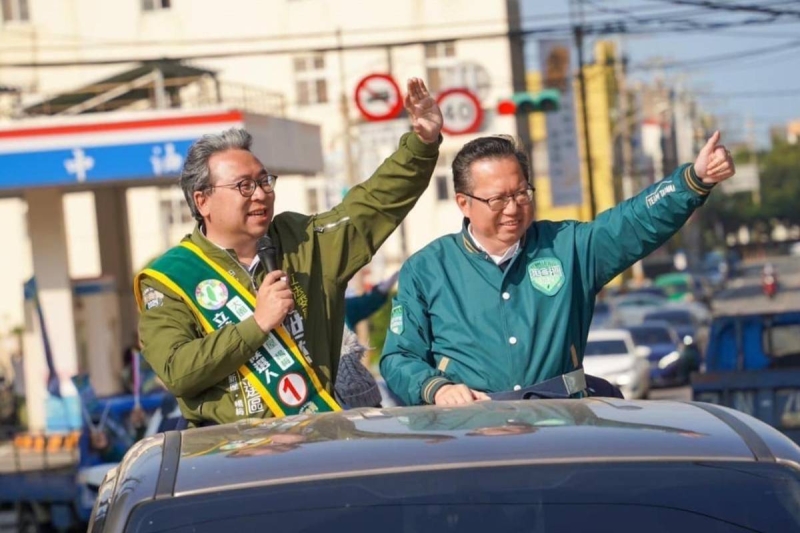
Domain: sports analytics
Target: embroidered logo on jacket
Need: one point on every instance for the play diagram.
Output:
(396, 321)
(665, 188)
(546, 275)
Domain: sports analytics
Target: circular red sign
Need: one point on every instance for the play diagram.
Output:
(461, 110)
(378, 97)
(292, 389)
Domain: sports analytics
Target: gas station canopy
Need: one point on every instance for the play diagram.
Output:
(140, 147)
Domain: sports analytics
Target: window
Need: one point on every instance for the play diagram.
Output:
(440, 64)
(156, 5)
(174, 208)
(15, 10)
(309, 74)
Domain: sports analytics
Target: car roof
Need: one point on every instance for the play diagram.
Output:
(651, 324)
(668, 311)
(362, 442)
(609, 334)
(367, 440)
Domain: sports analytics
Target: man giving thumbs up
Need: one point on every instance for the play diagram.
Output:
(513, 317)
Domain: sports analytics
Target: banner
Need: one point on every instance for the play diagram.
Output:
(562, 135)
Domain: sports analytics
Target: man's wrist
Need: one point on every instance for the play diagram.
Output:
(695, 183)
(418, 146)
(431, 386)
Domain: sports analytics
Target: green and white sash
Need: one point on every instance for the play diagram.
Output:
(278, 371)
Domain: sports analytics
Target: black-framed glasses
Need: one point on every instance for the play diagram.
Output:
(498, 203)
(247, 187)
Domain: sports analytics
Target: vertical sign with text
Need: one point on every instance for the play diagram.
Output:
(562, 136)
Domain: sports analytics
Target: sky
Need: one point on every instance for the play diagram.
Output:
(749, 72)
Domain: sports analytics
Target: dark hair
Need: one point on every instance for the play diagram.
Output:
(493, 147)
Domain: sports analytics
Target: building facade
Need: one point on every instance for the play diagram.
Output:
(311, 53)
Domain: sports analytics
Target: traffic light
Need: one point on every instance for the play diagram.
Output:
(544, 101)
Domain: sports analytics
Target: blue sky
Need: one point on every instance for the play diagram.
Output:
(755, 56)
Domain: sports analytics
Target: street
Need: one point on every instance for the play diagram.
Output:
(743, 293)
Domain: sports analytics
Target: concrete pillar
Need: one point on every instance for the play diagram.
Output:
(51, 270)
(111, 208)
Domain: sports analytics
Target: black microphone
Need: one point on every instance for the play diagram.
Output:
(267, 253)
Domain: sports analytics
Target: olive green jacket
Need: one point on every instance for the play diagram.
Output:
(319, 253)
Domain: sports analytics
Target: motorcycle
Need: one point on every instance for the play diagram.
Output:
(769, 284)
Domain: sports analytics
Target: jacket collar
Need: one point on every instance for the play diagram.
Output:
(474, 248)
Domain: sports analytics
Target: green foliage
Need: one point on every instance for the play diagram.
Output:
(780, 183)
(779, 169)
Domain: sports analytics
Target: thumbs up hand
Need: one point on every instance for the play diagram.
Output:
(714, 162)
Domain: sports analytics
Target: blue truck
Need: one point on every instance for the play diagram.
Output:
(55, 490)
(752, 364)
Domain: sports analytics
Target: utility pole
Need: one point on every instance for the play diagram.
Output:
(344, 107)
(578, 31)
(518, 76)
(751, 140)
(401, 230)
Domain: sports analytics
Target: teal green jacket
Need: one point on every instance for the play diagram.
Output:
(459, 318)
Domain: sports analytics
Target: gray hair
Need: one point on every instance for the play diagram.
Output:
(196, 175)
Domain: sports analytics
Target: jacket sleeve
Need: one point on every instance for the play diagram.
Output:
(407, 362)
(358, 308)
(186, 359)
(351, 233)
(633, 229)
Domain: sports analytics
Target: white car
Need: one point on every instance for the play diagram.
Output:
(611, 354)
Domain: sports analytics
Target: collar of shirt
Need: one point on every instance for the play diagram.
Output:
(498, 259)
(250, 269)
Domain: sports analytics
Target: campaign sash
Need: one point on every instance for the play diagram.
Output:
(278, 371)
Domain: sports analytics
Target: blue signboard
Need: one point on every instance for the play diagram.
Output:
(92, 164)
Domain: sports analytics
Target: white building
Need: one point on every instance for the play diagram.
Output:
(312, 52)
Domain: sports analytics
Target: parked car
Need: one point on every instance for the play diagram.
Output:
(602, 315)
(671, 362)
(612, 355)
(630, 309)
(549, 466)
(685, 324)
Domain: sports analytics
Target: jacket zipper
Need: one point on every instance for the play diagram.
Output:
(331, 225)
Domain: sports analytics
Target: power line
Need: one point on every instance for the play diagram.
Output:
(712, 60)
(730, 6)
(750, 94)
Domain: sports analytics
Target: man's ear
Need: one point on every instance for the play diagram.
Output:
(201, 201)
(464, 204)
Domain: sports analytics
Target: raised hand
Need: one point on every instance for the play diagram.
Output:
(714, 162)
(426, 117)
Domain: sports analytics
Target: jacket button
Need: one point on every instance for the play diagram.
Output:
(512, 340)
(506, 296)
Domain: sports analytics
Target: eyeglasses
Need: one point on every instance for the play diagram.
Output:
(498, 203)
(247, 187)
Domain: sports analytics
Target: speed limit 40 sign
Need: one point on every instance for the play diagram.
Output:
(461, 110)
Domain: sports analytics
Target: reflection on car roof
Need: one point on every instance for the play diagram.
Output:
(363, 441)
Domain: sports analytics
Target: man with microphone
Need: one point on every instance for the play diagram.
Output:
(238, 326)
